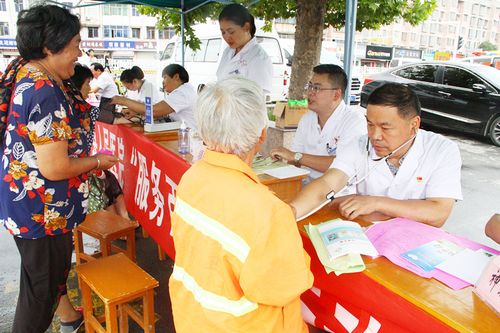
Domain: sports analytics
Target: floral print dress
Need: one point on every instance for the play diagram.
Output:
(32, 206)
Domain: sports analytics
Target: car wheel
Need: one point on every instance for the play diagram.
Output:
(495, 131)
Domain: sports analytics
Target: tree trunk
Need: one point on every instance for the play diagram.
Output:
(308, 38)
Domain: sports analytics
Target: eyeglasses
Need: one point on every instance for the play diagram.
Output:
(315, 89)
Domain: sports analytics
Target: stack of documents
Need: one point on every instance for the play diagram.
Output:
(431, 252)
(339, 245)
(462, 263)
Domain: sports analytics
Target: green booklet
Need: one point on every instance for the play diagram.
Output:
(350, 262)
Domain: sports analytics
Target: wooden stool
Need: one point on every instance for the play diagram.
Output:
(116, 280)
(105, 227)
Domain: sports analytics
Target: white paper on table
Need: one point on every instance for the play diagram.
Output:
(466, 265)
(288, 171)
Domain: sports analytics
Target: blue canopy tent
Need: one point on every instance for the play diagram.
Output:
(182, 7)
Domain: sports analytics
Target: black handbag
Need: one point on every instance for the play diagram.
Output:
(106, 111)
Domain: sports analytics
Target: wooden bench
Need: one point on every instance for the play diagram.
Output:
(116, 280)
(105, 227)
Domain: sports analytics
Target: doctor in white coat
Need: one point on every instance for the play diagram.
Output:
(398, 170)
(244, 57)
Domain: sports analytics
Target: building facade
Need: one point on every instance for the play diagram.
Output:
(116, 31)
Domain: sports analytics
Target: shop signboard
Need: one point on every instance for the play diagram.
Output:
(378, 52)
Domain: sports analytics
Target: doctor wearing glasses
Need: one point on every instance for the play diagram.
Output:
(398, 170)
(328, 123)
(244, 57)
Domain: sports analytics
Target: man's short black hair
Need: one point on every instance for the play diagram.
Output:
(43, 26)
(82, 73)
(336, 75)
(399, 96)
(97, 66)
(173, 69)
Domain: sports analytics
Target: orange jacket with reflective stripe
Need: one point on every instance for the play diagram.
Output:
(240, 265)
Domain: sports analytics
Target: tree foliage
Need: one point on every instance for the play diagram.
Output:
(371, 14)
(487, 46)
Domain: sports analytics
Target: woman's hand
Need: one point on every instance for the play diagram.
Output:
(105, 161)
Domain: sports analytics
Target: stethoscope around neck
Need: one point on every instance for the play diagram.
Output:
(330, 196)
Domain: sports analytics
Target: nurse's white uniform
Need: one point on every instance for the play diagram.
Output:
(252, 63)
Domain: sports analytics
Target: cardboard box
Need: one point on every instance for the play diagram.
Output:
(288, 116)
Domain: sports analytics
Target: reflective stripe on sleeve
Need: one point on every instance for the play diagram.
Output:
(230, 241)
(212, 301)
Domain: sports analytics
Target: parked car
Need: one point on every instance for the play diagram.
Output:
(455, 95)
(202, 64)
(327, 57)
(487, 60)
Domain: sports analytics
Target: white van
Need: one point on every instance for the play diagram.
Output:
(487, 60)
(327, 57)
(202, 64)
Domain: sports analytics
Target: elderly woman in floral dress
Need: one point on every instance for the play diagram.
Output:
(44, 164)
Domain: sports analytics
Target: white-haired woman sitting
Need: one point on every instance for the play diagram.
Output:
(239, 265)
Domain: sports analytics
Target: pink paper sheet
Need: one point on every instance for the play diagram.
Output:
(399, 235)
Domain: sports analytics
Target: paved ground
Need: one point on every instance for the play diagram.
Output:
(481, 189)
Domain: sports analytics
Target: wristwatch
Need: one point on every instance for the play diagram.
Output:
(297, 157)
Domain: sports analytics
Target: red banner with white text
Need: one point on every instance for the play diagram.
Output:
(149, 175)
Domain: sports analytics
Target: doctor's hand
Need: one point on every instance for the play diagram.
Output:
(281, 153)
(356, 205)
(118, 100)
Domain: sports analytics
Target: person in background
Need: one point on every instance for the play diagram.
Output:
(328, 123)
(92, 57)
(107, 57)
(244, 57)
(492, 229)
(133, 79)
(104, 180)
(237, 268)
(44, 173)
(397, 170)
(177, 104)
(106, 87)
(84, 59)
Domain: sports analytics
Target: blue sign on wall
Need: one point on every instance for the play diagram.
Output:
(119, 44)
(8, 43)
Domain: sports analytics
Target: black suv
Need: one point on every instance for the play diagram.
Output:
(455, 95)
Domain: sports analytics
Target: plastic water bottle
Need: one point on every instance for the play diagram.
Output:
(183, 139)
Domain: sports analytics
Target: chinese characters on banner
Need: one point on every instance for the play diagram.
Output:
(149, 175)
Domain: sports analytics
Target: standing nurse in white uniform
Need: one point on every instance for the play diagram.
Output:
(244, 56)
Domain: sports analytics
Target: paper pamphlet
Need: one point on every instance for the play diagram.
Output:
(288, 171)
(261, 164)
(344, 237)
(428, 255)
(350, 263)
(391, 239)
(467, 265)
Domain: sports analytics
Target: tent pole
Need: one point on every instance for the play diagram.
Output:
(182, 32)
(350, 30)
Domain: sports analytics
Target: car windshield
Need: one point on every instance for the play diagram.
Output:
(489, 73)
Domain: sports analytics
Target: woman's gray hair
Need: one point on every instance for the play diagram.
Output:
(230, 115)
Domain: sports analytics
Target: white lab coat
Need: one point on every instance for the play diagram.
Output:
(431, 169)
(343, 125)
(252, 63)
